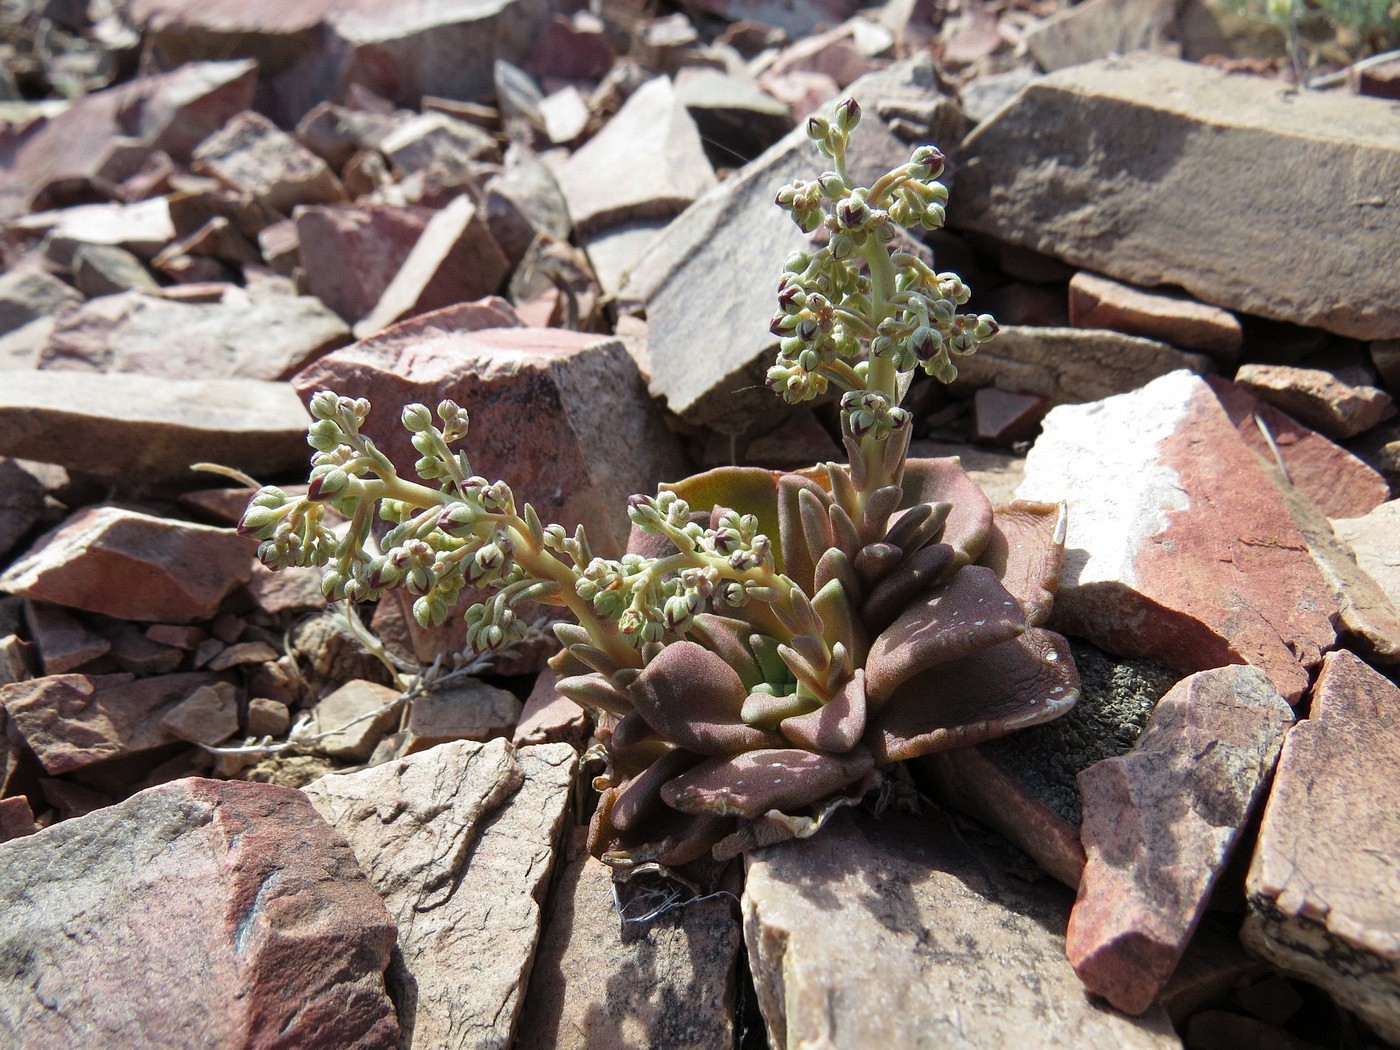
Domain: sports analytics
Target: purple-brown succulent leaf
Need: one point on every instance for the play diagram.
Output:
(669, 837)
(692, 698)
(1027, 550)
(596, 693)
(837, 565)
(799, 559)
(751, 784)
(727, 637)
(943, 480)
(633, 745)
(640, 798)
(875, 520)
(835, 727)
(775, 826)
(845, 536)
(971, 611)
(875, 561)
(1023, 682)
(918, 526)
(840, 620)
(923, 569)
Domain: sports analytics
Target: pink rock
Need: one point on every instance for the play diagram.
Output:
(1161, 822)
(16, 818)
(1179, 546)
(467, 709)
(1339, 484)
(834, 53)
(1097, 302)
(212, 914)
(74, 720)
(1320, 399)
(251, 155)
(1002, 418)
(133, 566)
(455, 259)
(64, 642)
(209, 715)
(142, 228)
(562, 416)
(351, 254)
(551, 718)
(1319, 887)
(571, 48)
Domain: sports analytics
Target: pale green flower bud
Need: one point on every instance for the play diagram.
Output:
(324, 435)
(847, 114)
(416, 418)
(324, 404)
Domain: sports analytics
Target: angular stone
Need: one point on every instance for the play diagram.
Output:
(133, 566)
(465, 710)
(455, 259)
(909, 941)
(609, 180)
(1160, 824)
(73, 720)
(267, 718)
(1070, 365)
(561, 415)
(795, 17)
(565, 114)
(1321, 904)
(1179, 546)
(142, 228)
(351, 254)
(1372, 539)
(1155, 142)
(243, 335)
(252, 156)
(737, 120)
(549, 717)
(133, 651)
(687, 955)
(1097, 302)
(16, 818)
(151, 429)
(21, 503)
(29, 293)
(428, 141)
(209, 715)
(212, 914)
(1003, 418)
(460, 842)
(1323, 400)
(524, 201)
(1100, 28)
(64, 642)
(102, 269)
(350, 721)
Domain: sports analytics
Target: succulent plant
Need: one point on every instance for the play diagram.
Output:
(770, 642)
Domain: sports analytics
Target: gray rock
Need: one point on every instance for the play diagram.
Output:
(460, 842)
(254, 157)
(1101, 28)
(352, 720)
(209, 715)
(982, 97)
(1166, 172)
(101, 269)
(422, 142)
(142, 228)
(27, 294)
(899, 932)
(466, 709)
(212, 914)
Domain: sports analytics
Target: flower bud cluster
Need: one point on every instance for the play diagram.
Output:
(812, 332)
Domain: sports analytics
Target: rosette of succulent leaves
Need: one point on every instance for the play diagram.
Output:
(770, 642)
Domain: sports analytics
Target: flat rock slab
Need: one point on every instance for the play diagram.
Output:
(1179, 546)
(1155, 180)
(1161, 822)
(1097, 302)
(1324, 903)
(899, 933)
(149, 428)
(109, 559)
(460, 842)
(562, 416)
(668, 982)
(1372, 539)
(198, 913)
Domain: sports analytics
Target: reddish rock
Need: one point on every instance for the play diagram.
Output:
(350, 721)
(1339, 484)
(351, 254)
(212, 914)
(133, 651)
(254, 157)
(562, 416)
(1003, 418)
(16, 818)
(292, 589)
(73, 720)
(133, 566)
(1097, 302)
(1322, 400)
(149, 429)
(1179, 546)
(1161, 822)
(835, 53)
(1320, 905)
(438, 145)
(551, 718)
(267, 718)
(209, 715)
(455, 259)
(142, 228)
(571, 47)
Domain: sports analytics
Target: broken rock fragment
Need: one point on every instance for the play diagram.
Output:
(251, 155)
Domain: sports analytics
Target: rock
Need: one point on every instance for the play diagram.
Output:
(901, 933)
(524, 201)
(133, 566)
(1179, 546)
(209, 715)
(252, 156)
(1380, 81)
(467, 709)
(561, 415)
(1069, 365)
(29, 293)
(1035, 305)
(684, 956)
(350, 721)
(460, 842)
(836, 53)
(64, 642)
(795, 17)
(565, 114)
(71, 721)
(133, 651)
(1097, 302)
(1002, 418)
(267, 718)
(549, 717)
(351, 254)
(572, 47)
(16, 818)
(717, 266)
(983, 96)
(426, 141)
(610, 180)
(1100, 28)
(1385, 356)
(1323, 400)
(336, 133)
(1319, 905)
(1160, 824)
(20, 349)
(737, 120)
(1371, 538)
(142, 228)
(292, 589)
(1337, 482)
(1159, 144)
(21, 503)
(149, 429)
(200, 903)
(243, 335)
(455, 259)
(106, 136)
(102, 269)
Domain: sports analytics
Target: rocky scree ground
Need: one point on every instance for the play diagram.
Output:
(232, 817)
